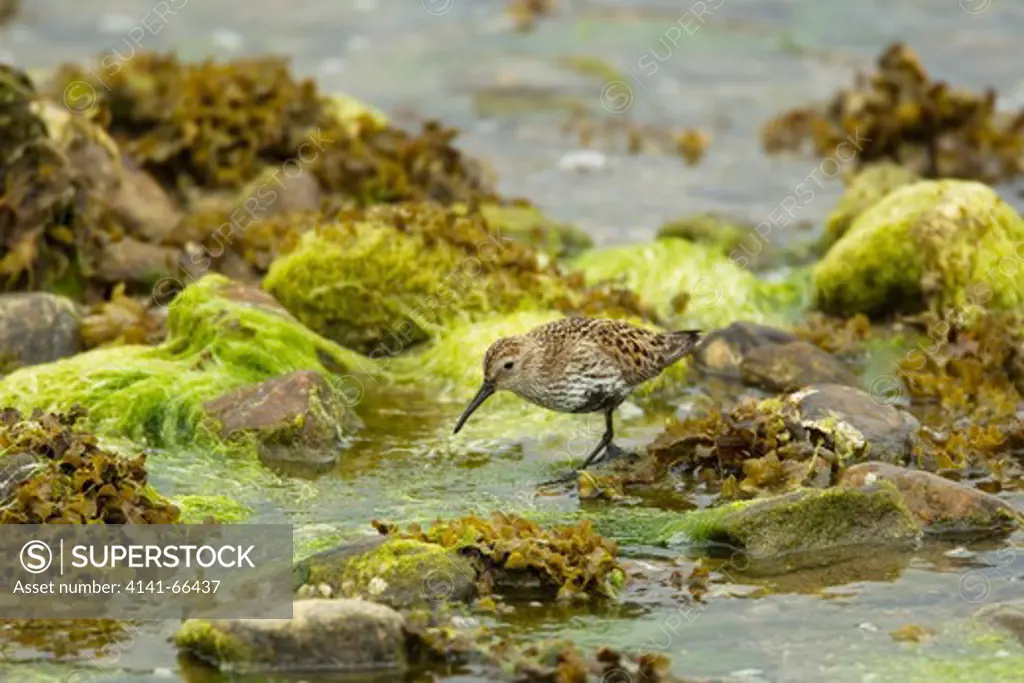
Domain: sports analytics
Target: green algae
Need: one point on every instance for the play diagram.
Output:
(217, 341)
(709, 229)
(805, 520)
(863, 191)
(528, 225)
(930, 244)
(390, 277)
(691, 285)
(195, 509)
(205, 640)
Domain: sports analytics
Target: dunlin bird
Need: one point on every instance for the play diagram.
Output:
(579, 365)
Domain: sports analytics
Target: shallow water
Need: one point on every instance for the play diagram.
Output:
(747, 62)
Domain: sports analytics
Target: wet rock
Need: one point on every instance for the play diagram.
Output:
(133, 197)
(788, 367)
(927, 245)
(130, 260)
(297, 418)
(321, 635)
(272, 194)
(722, 350)
(220, 336)
(855, 425)
(940, 506)
(37, 327)
(1005, 615)
(400, 573)
(807, 521)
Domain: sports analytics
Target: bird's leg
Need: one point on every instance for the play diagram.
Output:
(604, 443)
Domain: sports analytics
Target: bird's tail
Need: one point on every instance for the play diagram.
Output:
(680, 343)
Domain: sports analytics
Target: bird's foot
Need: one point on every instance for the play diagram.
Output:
(612, 452)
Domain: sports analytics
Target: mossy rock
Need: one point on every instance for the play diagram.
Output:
(692, 285)
(321, 635)
(863, 191)
(528, 225)
(806, 521)
(401, 573)
(931, 244)
(385, 278)
(706, 228)
(221, 336)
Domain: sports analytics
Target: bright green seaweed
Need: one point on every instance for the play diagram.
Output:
(155, 395)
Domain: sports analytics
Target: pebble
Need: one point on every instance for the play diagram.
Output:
(583, 160)
(869, 627)
(960, 553)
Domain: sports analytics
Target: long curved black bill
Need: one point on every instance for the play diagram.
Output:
(485, 391)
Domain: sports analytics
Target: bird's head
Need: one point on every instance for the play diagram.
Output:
(506, 367)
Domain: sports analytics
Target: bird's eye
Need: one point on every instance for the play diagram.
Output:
(508, 364)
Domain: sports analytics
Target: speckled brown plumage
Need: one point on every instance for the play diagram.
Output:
(579, 365)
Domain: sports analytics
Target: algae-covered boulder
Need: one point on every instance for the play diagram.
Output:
(54, 473)
(941, 506)
(863, 190)
(384, 278)
(322, 635)
(691, 285)
(400, 573)
(221, 336)
(930, 244)
(709, 229)
(806, 521)
(527, 224)
(298, 418)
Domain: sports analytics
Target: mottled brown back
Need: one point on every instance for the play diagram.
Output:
(595, 345)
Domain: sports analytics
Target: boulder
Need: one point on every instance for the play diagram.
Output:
(692, 285)
(36, 327)
(853, 423)
(927, 245)
(808, 521)
(788, 367)
(297, 418)
(722, 350)
(862, 192)
(400, 573)
(941, 506)
(131, 260)
(322, 635)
